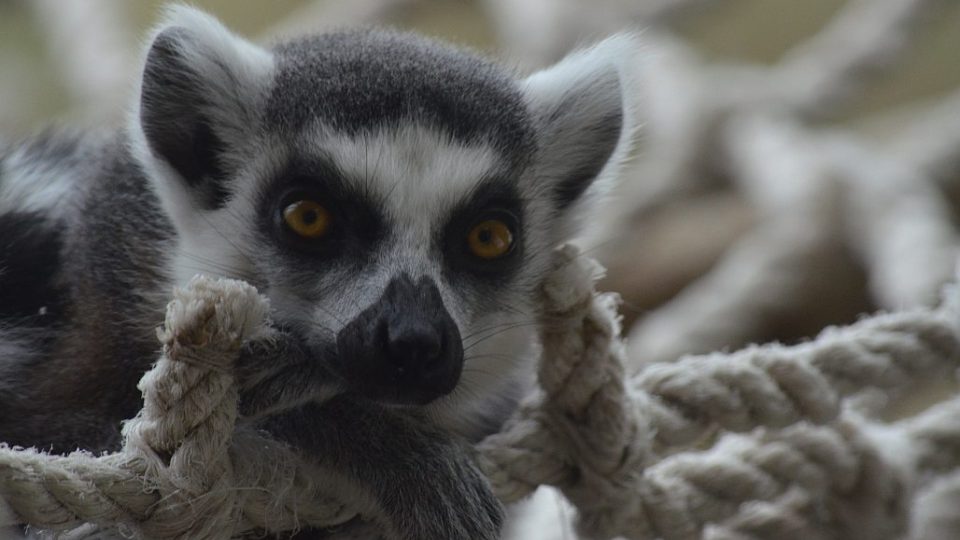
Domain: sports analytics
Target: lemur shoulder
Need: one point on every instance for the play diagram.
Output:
(396, 199)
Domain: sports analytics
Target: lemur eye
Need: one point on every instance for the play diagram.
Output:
(490, 239)
(308, 219)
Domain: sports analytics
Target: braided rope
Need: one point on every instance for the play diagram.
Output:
(776, 386)
(609, 442)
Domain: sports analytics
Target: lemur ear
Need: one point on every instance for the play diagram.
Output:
(584, 110)
(201, 89)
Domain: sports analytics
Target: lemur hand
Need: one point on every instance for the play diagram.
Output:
(416, 482)
(278, 373)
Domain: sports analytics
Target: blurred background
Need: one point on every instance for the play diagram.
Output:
(799, 162)
(52, 52)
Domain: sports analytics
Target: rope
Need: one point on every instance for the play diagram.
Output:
(609, 444)
(182, 472)
(755, 444)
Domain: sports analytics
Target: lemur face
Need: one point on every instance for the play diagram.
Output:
(396, 248)
(395, 198)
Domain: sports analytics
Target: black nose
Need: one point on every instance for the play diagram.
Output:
(413, 343)
(405, 348)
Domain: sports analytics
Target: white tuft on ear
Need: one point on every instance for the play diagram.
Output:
(214, 46)
(585, 110)
(202, 90)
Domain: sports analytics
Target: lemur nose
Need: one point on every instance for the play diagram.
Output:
(413, 345)
(404, 348)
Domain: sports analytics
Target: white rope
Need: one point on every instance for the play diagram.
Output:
(628, 452)
(610, 446)
(183, 472)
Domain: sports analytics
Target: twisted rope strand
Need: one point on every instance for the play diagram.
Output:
(776, 386)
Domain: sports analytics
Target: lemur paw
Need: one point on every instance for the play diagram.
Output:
(277, 373)
(415, 480)
(451, 501)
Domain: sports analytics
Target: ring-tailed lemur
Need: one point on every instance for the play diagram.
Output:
(395, 198)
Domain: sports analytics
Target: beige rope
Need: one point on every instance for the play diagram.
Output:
(607, 442)
(613, 445)
(182, 473)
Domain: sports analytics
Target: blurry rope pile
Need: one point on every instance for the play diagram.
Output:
(790, 459)
(782, 217)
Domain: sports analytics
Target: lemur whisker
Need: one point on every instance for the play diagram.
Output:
(540, 322)
(497, 333)
(470, 366)
(488, 328)
(225, 269)
(250, 260)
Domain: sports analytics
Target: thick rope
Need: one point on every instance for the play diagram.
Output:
(182, 472)
(777, 386)
(611, 444)
(606, 442)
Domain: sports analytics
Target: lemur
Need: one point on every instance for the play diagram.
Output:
(396, 199)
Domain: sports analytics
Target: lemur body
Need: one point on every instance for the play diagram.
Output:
(396, 199)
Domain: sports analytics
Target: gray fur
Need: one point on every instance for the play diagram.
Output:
(110, 281)
(368, 80)
(409, 142)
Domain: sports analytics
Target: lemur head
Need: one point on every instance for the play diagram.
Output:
(396, 198)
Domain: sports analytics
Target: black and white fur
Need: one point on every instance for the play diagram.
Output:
(410, 141)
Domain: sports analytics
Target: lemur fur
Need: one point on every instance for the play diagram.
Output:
(398, 336)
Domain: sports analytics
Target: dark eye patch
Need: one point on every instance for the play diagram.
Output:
(357, 222)
(493, 199)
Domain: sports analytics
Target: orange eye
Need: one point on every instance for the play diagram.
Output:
(490, 239)
(307, 218)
